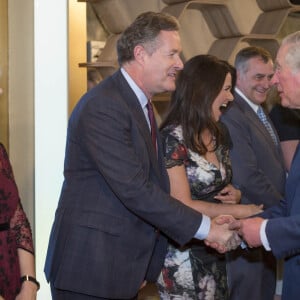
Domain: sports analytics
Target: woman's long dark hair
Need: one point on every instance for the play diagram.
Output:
(197, 86)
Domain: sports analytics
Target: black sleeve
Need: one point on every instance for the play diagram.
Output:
(286, 122)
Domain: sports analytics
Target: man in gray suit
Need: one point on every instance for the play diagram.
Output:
(114, 214)
(278, 228)
(258, 168)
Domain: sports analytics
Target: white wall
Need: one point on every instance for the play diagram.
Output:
(38, 111)
(21, 99)
(50, 120)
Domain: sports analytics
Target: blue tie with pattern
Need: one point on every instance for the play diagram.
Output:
(263, 118)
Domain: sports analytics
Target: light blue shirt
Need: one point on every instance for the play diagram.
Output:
(139, 94)
(204, 228)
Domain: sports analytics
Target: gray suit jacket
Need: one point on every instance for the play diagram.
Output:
(115, 197)
(258, 168)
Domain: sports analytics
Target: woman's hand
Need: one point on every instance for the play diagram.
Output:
(28, 291)
(251, 209)
(229, 195)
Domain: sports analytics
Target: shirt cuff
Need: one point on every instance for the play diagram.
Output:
(204, 228)
(263, 236)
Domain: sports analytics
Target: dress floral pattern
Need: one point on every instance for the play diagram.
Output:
(15, 231)
(195, 271)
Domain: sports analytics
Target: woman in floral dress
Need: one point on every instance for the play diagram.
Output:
(198, 164)
(16, 247)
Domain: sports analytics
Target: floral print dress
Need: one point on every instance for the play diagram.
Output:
(15, 231)
(195, 271)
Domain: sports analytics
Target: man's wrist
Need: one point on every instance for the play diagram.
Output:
(204, 228)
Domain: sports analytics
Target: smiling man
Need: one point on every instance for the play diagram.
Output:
(258, 168)
(278, 228)
(115, 211)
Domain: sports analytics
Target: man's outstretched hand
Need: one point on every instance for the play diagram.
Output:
(249, 230)
(223, 235)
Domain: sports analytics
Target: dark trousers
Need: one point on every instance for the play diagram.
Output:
(58, 294)
(251, 274)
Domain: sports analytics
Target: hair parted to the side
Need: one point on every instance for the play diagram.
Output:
(144, 31)
(293, 54)
(197, 87)
(245, 54)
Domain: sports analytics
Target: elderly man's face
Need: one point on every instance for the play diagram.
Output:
(286, 80)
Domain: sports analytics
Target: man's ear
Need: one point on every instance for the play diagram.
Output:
(139, 53)
(238, 77)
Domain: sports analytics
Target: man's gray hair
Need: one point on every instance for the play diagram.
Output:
(292, 58)
(244, 55)
(144, 31)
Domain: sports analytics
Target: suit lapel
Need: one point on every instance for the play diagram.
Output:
(253, 119)
(135, 108)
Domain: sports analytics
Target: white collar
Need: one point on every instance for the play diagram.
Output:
(251, 104)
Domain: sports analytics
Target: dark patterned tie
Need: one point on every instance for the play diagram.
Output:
(263, 118)
(152, 123)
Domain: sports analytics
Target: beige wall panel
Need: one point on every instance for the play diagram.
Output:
(77, 51)
(116, 15)
(21, 100)
(244, 13)
(4, 74)
(195, 34)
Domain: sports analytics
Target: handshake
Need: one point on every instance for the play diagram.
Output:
(224, 234)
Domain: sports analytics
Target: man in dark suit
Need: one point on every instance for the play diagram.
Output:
(279, 228)
(258, 168)
(115, 211)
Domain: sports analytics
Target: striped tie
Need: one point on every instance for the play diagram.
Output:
(263, 118)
